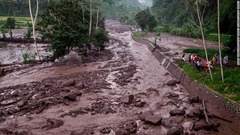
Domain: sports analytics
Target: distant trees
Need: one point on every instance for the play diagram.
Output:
(10, 24)
(146, 20)
(17, 7)
(67, 24)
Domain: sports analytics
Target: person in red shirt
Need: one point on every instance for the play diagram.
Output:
(214, 59)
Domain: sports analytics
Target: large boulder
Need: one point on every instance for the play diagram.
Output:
(175, 131)
(153, 119)
(106, 130)
(200, 125)
(71, 97)
(177, 112)
(171, 83)
(80, 85)
(194, 99)
(121, 132)
(127, 99)
(131, 127)
(70, 82)
(143, 115)
(172, 121)
(195, 112)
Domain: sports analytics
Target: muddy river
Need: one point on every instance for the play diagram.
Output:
(13, 53)
(123, 91)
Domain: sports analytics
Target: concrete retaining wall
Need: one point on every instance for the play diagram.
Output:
(190, 85)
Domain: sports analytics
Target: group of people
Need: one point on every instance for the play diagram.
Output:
(216, 59)
(195, 59)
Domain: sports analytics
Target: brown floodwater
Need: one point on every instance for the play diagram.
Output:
(147, 84)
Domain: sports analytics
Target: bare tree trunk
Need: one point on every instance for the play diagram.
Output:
(219, 42)
(33, 25)
(203, 39)
(83, 16)
(4, 36)
(97, 19)
(90, 22)
(11, 36)
(9, 10)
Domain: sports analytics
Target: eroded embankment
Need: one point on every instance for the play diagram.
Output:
(217, 104)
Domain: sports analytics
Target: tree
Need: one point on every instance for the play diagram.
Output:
(100, 38)
(200, 19)
(145, 20)
(34, 19)
(219, 42)
(10, 24)
(63, 24)
(2, 29)
(90, 19)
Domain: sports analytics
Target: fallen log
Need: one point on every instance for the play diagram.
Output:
(205, 112)
(218, 117)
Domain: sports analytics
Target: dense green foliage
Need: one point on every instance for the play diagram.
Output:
(9, 24)
(145, 20)
(225, 39)
(18, 7)
(67, 27)
(182, 18)
(231, 86)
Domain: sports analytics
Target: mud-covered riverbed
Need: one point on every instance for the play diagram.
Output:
(126, 91)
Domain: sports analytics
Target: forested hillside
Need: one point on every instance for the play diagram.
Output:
(17, 7)
(180, 12)
(180, 18)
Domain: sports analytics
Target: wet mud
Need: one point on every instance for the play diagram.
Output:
(121, 91)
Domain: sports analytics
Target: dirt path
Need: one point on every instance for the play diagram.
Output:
(103, 97)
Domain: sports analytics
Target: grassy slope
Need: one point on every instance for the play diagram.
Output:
(229, 89)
